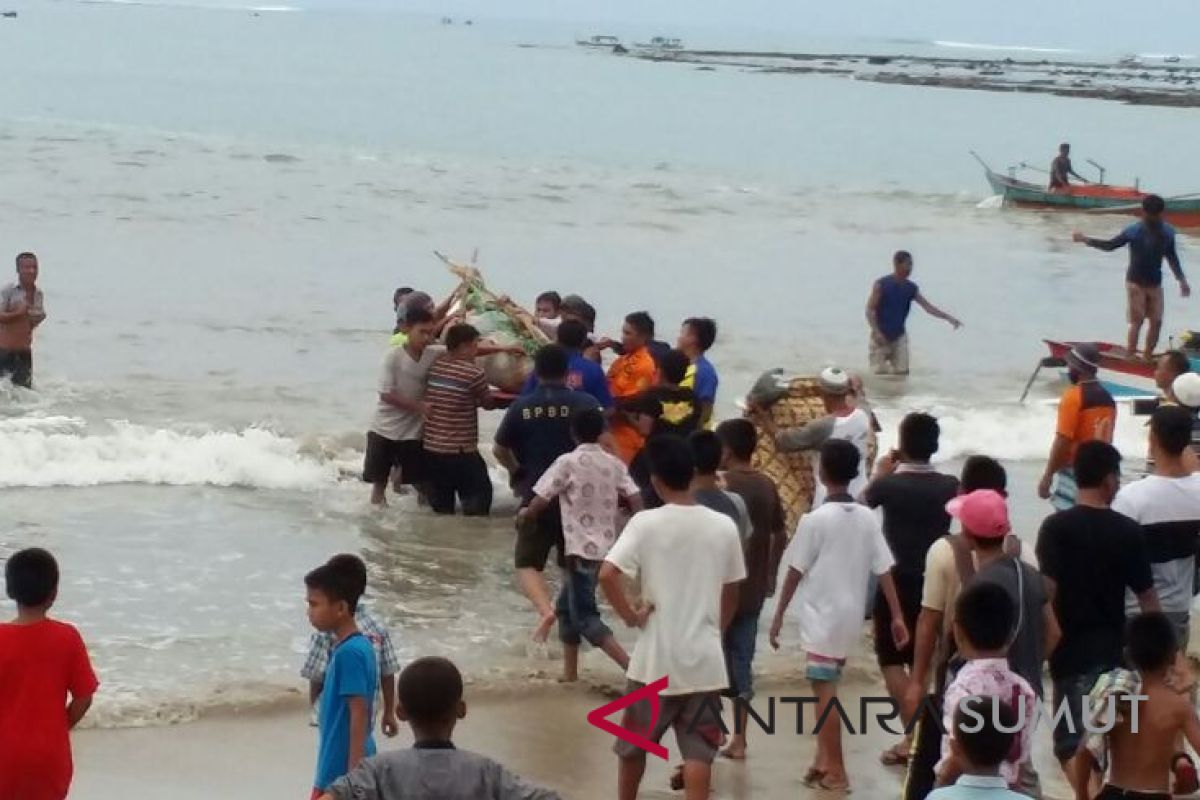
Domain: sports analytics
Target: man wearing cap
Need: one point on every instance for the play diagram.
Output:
(1151, 241)
(1086, 412)
(985, 550)
(845, 421)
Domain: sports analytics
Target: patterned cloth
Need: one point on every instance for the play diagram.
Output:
(589, 480)
(992, 677)
(1105, 709)
(321, 645)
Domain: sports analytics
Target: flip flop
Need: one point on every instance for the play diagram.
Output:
(726, 754)
(1186, 781)
(813, 777)
(892, 757)
(844, 788)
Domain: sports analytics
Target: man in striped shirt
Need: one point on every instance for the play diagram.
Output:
(455, 388)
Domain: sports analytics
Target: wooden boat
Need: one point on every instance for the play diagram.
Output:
(1098, 198)
(1125, 375)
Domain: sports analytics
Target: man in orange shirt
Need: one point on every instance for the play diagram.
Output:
(630, 375)
(1086, 413)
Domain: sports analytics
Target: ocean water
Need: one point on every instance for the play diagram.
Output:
(223, 201)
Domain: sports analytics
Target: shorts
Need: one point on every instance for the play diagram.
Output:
(694, 718)
(1181, 621)
(1144, 302)
(1064, 490)
(908, 587)
(384, 454)
(1110, 792)
(461, 476)
(823, 668)
(577, 612)
(536, 539)
(18, 366)
(889, 358)
(739, 640)
(1073, 689)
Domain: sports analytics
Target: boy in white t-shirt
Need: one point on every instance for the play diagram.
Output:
(590, 482)
(689, 561)
(837, 547)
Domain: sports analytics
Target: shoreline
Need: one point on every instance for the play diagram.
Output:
(1163, 85)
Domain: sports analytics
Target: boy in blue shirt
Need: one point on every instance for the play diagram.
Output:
(350, 680)
(983, 739)
(696, 337)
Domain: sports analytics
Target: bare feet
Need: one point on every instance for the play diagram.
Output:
(542, 632)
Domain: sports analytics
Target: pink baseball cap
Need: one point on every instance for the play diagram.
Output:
(983, 513)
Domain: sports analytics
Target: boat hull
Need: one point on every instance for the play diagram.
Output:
(1094, 198)
(1125, 376)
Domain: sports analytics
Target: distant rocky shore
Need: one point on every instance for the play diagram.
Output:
(1132, 82)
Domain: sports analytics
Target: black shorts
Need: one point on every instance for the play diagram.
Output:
(459, 476)
(17, 365)
(536, 539)
(908, 587)
(384, 454)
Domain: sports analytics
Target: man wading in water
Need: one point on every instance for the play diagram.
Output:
(21, 310)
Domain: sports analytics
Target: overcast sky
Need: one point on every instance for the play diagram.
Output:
(1157, 25)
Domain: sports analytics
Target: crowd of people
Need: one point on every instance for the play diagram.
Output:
(627, 477)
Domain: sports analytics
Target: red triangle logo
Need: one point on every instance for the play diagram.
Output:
(599, 717)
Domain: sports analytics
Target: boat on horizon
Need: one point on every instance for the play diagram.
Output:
(660, 44)
(608, 42)
(1097, 198)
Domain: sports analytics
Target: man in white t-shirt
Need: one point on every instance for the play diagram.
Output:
(836, 549)
(846, 421)
(689, 562)
(394, 439)
(1167, 506)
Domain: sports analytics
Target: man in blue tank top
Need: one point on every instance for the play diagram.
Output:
(891, 299)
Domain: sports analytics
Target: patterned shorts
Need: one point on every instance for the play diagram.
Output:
(823, 668)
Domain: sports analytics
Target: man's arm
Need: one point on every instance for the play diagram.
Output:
(900, 633)
(1172, 261)
(614, 592)
(360, 723)
(1056, 461)
(729, 603)
(506, 458)
(403, 403)
(77, 709)
(934, 311)
(929, 626)
(807, 437)
(1107, 245)
(387, 720)
(17, 313)
(1051, 631)
(790, 584)
(873, 311)
(779, 543)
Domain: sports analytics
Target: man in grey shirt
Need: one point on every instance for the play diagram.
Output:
(22, 309)
(430, 699)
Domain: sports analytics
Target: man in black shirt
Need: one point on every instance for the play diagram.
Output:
(913, 496)
(1089, 555)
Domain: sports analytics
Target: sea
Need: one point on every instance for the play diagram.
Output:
(223, 200)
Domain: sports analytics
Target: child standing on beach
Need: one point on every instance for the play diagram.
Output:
(1138, 750)
(837, 547)
(589, 483)
(43, 662)
(431, 692)
(982, 740)
(322, 644)
(350, 681)
(984, 621)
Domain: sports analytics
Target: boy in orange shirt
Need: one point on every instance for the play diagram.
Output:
(630, 375)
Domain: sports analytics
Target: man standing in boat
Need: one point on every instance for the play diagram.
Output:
(1150, 241)
(891, 299)
(1061, 170)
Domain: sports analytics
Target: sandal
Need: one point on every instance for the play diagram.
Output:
(894, 756)
(1184, 771)
(824, 786)
(813, 777)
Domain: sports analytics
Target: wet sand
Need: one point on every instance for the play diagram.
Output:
(540, 733)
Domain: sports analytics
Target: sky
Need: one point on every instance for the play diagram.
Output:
(1171, 26)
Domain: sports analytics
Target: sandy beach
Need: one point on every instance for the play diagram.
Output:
(540, 732)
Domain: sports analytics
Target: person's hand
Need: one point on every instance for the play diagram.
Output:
(521, 518)
(776, 628)
(390, 726)
(1078, 237)
(641, 613)
(1043, 488)
(888, 463)
(604, 343)
(911, 699)
(422, 408)
(899, 633)
(515, 350)
(1185, 289)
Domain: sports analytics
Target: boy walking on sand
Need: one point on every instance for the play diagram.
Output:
(348, 696)
(431, 691)
(836, 549)
(1137, 750)
(689, 562)
(589, 483)
(322, 644)
(43, 662)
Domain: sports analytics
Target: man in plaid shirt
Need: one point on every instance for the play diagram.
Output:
(321, 647)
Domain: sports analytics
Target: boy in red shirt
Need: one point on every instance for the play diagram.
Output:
(46, 684)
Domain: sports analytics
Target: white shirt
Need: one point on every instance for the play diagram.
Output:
(837, 548)
(589, 480)
(1168, 509)
(404, 375)
(854, 428)
(683, 556)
